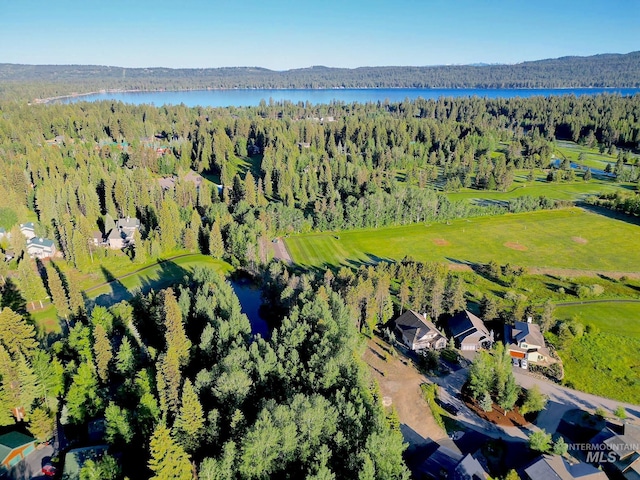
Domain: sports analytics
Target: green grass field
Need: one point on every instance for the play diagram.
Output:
(607, 317)
(540, 187)
(161, 275)
(605, 361)
(568, 238)
(156, 276)
(605, 364)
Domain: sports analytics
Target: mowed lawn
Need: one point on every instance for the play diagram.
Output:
(540, 187)
(160, 275)
(607, 317)
(568, 238)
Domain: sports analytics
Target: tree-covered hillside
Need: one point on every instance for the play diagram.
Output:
(41, 81)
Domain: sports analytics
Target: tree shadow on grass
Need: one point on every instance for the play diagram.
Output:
(12, 298)
(169, 274)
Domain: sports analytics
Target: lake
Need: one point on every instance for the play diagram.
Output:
(247, 98)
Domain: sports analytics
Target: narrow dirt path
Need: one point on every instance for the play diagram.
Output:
(280, 251)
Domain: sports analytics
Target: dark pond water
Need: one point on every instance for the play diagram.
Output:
(246, 98)
(251, 301)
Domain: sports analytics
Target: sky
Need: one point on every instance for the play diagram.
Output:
(286, 34)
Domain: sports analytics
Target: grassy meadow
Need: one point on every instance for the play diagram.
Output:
(605, 360)
(568, 238)
(607, 317)
(605, 364)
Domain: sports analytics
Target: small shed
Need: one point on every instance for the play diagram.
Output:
(14, 447)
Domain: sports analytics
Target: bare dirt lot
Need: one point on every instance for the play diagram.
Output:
(400, 387)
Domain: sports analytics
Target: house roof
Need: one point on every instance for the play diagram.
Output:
(97, 235)
(27, 226)
(129, 222)
(12, 440)
(114, 234)
(549, 467)
(469, 468)
(414, 326)
(40, 242)
(76, 458)
(527, 332)
(442, 460)
(466, 323)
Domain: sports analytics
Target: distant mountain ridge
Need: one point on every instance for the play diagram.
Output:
(603, 70)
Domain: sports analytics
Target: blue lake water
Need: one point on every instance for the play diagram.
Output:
(247, 98)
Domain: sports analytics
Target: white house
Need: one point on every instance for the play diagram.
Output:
(41, 248)
(28, 230)
(122, 235)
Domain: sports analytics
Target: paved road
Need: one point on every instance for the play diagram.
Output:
(450, 393)
(562, 399)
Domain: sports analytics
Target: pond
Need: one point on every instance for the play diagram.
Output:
(250, 298)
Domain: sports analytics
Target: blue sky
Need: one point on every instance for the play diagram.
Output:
(283, 34)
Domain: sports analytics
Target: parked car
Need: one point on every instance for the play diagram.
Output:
(49, 470)
(447, 407)
(523, 363)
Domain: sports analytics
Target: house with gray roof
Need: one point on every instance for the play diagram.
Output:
(122, 235)
(525, 342)
(618, 452)
(549, 467)
(447, 463)
(469, 331)
(418, 333)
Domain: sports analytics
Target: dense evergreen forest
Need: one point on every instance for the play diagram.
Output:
(177, 377)
(44, 81)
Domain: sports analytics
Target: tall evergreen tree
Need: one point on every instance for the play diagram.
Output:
(168, 460)
(190, 421)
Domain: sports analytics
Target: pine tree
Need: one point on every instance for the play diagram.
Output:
(171, 380)
(58, 295)
(486, 404)
(168, 459)
(216, 245)
(190, 421)
(118, 420)
(76, 301)
(102, 351)
(41, 424)
(16, 334)
(125, 358)
(454, 295)
(175, 335)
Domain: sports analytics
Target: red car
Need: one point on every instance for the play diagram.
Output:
(49, 470)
